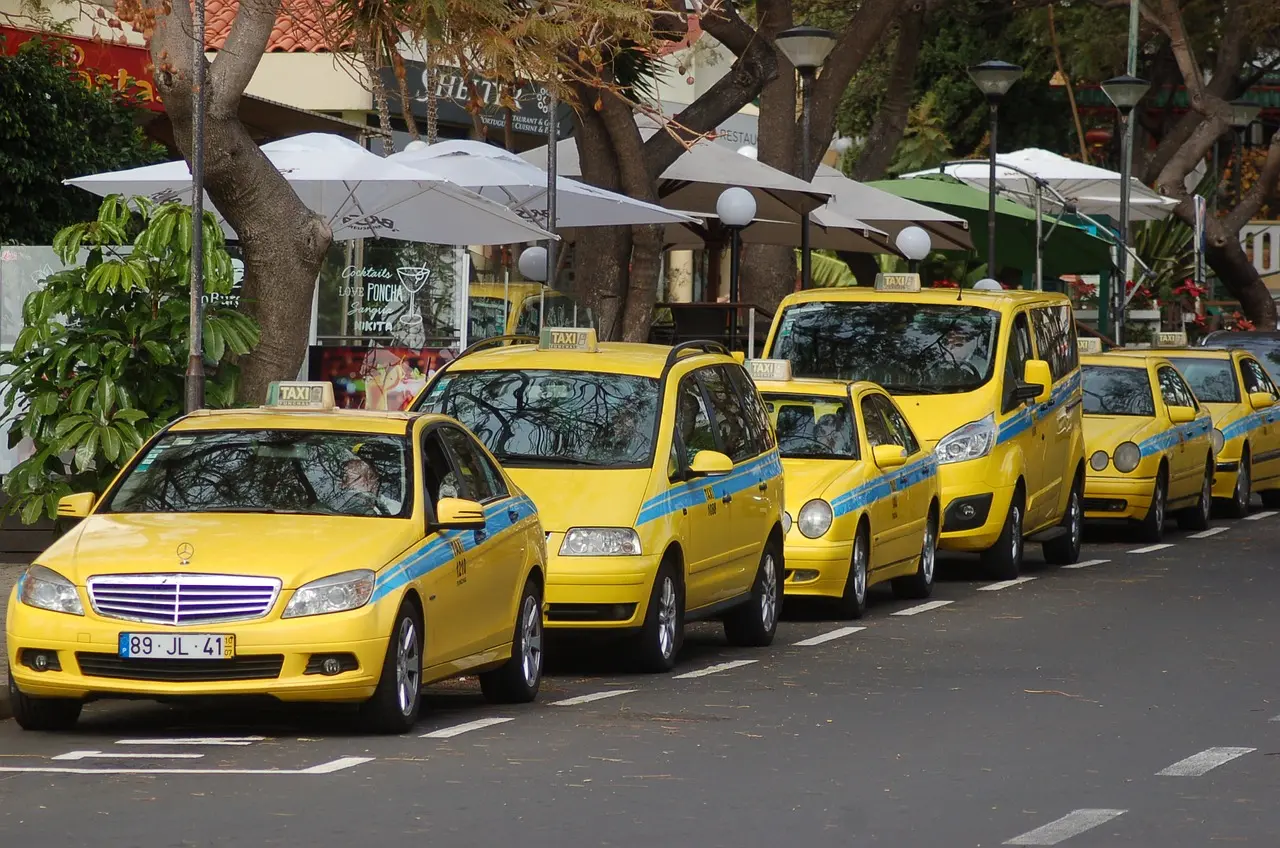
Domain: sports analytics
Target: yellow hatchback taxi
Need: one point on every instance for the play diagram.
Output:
(862, 503)
(990, 380)
(294, 551)
(655, 473)
(1241, 396)
(1150, 449)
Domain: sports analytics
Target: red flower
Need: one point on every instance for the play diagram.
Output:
(945, 284)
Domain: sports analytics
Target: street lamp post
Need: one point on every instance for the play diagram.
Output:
(736, 207)
(806, 48)
(1125, 92)
(195, 360)
(994, 79)
(913, 243)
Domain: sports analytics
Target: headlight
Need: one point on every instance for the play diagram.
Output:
(1099, 460)
(1126, 457)
(1218, 441)
(786, 523)
(338, 593)
(600, 541)
(46, 589)
(815, 518)
(972, 441)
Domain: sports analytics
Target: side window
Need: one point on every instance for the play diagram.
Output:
(730, 414)
(476, 481)
(878, 432)
(1016, 361)
(1255, 379)
(899, 430)
(757, 415)
(1175, 390)
(692, 422)
(1055, 339)
(438, 477)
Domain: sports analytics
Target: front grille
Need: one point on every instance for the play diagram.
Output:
(590, 612)
(248, 667)
(182, 598)
(1105, 505)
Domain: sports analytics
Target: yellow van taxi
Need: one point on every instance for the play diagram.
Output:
(294, 551)
(990, 381)
(862, 497)
(655, 472)
(1149, 442)
(1241, 395)
(519, 308)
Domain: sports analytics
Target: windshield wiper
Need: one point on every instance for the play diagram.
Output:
(539, 459)
(916, 389)
(262, 509)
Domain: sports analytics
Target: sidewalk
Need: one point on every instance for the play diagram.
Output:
(8, 576)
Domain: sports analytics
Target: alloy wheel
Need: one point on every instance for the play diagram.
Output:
(769, 591)
(408, 666)
(531, 641)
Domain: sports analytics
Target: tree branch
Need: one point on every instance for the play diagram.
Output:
(891, 119)
(236, 62)
(1259, 192)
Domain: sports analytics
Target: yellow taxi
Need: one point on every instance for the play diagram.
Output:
(655, 472)
(295, 551)
(1241, 396)
(1149, 442)
(990, 380)
(862, 497)
(498, 309)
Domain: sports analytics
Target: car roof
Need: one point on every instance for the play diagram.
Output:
(320, 420)
(1206, 352)
(1121, 358)
(632, 358)
(999, 300)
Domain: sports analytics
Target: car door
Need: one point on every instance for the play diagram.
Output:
(890, 514)
(1052, 426)
(1184, 464)
(1030, 435)
(1266, 437)
(910, 501)
(705, 545)
(440, 569)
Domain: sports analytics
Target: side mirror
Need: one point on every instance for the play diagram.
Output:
(1261, 400)
(740, 356)
(1037, 373)
(76, 506)
(458, 514)
(889, 456)
(709, 463)
(1182, 414)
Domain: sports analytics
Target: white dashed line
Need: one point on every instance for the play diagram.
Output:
(1072, 824)
(1004, 584)
(1203, 762)
(1151, 548)
(1087, 563)
(459, 729)
(916, 610)
(98, 755)
(1274, 718)
(1212, 531)
(828, 637)
(1258, 516)
(324, 768)
(199, 740)
(714, 669)
(594, 696)
(336, 765)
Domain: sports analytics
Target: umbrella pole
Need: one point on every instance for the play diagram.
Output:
(552, 108)
(195, 361)
(1039, 241)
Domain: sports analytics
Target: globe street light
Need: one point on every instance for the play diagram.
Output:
(533, 264)
(749, 151)
(913, 243)
(1125, 92)
(806, 48)
(994, 79)
(736, 207)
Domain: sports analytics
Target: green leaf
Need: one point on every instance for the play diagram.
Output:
(46, 403)
(160, 354)
(67, 424)
(87, 450)
(32, 509)
(111, 443)
(105, 398)
(133, 416)
(73, 438)
(80, 397)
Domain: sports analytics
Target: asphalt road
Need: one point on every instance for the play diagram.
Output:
(1130, 702)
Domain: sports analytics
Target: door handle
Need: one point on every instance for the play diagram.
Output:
(764, 487)
(513, 515)
(728, 499)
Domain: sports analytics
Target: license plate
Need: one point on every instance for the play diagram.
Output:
(177, 646)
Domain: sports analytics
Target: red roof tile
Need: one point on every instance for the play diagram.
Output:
(299, 29)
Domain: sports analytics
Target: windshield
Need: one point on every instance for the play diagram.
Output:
(1117, 391)
(909, 348)
(488, 318)
(1265, 346)
(813, 427)
(270, 471)
(1213, 380)
(555, 418)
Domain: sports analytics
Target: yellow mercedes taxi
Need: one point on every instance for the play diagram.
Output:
(295, 551)
(1242, 397)
(1150, 449)
(655, 472)
(862, 498)
(990, 381)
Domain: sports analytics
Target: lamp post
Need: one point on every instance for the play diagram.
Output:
(195, 359)
(1125, 92)
(806, 48)
(913, 243)
(736, 207)
(994, 79)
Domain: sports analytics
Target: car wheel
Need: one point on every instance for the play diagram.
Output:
(1065, 549)
(1197, 517)
(43, 713)
(1152, 527)
(919, 586)
(1003, 560)
(517, 680)
(853, 603)
(1243, 493)
(659, 640)
(395, 703)
(753, 624)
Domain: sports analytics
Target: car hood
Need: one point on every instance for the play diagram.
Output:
(593, 497)
(934, 416)
(1107, 432)
(807, 479)
(1226, 412)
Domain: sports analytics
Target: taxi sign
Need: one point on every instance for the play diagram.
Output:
(898, 282)
(568, 338)
(778, 370)
(1171, 339)
(1088, 345)
(300, 395)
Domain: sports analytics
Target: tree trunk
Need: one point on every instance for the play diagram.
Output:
(406, 103)
(601, 254)
(899, 92)
(1227, 258)
(379, 92)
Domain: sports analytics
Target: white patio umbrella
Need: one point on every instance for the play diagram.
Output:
(887, 212)
(360, 194)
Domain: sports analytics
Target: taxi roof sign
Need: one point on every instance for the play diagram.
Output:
(568, 338)
(294, 394)
(898, 282)
(1171, 339)
(777, 370)
(1087, 345)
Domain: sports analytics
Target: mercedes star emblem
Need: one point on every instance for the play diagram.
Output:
(185, 552)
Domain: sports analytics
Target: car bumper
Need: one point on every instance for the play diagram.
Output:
(1117, 498)
(1225, 474)
(599, 593)
(817, 571)
(972, 516)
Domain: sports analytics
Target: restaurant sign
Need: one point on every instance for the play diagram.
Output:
(453, 93)
(124, 67)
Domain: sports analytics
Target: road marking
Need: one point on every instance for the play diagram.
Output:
(1212, 531)
(714, 669)
(1072, 824)
(197, 740)
(1203, 762)
(1004, 584)
(98, 755)
(324, 768)
(828, 637)
(459, 729)
(1258, 516)
(919, 608)
(340, 764)
(1087, 563)
(1274, 718)
(1152, 548)
(594, 696)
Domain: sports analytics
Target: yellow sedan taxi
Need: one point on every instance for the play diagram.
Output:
(862, 491)
(295, 551)
(1149, 444)
(655, 472)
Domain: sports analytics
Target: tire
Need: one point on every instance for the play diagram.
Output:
(919, 586)
(1196, 517)
(1065, 549)
(396, 702)
(1270, 498)
(43, 713)
(1003, 560)
(517, 680)
(1238, 507)
(1151, 529)
(656, 646)
(853, 603)
(753, 624)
